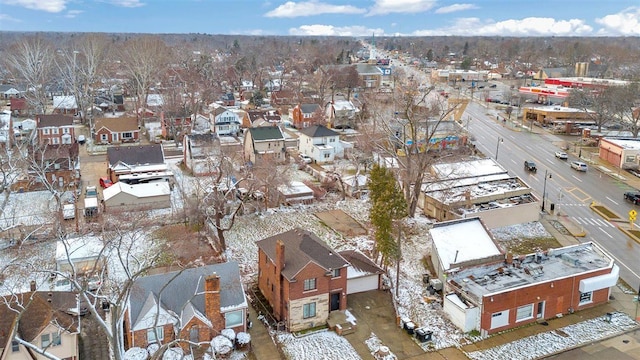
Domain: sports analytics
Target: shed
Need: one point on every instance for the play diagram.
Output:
(362, 273)
(295, 193)
(82, 252)
(146, 196)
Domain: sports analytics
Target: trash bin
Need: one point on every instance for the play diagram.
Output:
(423, 335)
(410, 327)
(404, 321)
(552, 207)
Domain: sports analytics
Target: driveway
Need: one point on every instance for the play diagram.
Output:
(374, 313)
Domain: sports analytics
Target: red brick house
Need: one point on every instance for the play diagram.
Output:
(19, 106)
(302, 278)
(174, 125)
(194, 304)
(116, 130)
(497, 296)
(305, 115)
(53, 166)
(55, 129)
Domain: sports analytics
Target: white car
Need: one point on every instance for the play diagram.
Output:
(562, 155)
(579, 165)
(306, 159)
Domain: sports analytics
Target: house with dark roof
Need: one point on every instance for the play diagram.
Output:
(18, 106)
(195, 304)
(130, 160)
(302, 278)
(55, 129)
(320, 144)
(50, 321)
(228, 99)
(264, 143)
(305, 115)
(116, 130)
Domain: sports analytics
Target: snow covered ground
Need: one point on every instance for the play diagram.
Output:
(322, 345)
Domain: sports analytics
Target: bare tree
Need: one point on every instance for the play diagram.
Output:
(598, 104)
(627, 106)
(144, 60)
(31, 62)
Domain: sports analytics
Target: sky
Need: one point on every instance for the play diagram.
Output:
(328, 17)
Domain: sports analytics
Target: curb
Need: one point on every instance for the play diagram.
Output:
(629, 234)
(583, 345)
(596, 208)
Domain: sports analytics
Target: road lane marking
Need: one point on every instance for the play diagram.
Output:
(608, 198)
(609, 235)
(573, 176)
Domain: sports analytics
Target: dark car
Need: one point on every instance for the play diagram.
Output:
(493, 86)
(632, 196)
(530, 166)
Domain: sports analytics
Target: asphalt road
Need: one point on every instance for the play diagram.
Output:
(569, 190)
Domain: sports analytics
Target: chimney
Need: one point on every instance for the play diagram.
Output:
(277, 293)
(32, 285)
(212, 300)
(509, 259)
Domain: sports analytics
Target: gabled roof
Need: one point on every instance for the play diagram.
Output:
(54, 120)
(136, 155)
(309, 108)
(360, 264)
(117, 124)
(65, 102)
(301, 247)
(318, 131)
(176, 289)
(266, 133)
(145, 190)
(42, 308)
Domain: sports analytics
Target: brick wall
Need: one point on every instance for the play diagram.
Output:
(140, 336)
(212, 301)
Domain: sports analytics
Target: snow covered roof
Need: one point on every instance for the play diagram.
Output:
(145, 190)
(177, 289)
(476, 188)
(489, 279)
(79, 248)
(294, 188)
(628, 144)
(155, 100)
(65, 102)
(465, 169)
(462, 240)
(359, 264)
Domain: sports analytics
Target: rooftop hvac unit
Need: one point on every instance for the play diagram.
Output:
(436, 284)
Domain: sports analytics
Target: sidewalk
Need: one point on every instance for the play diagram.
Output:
(262, 346)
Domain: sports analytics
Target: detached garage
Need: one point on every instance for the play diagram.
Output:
(153, 195)
(362, 273)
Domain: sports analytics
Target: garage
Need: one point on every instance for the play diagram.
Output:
(362, 273)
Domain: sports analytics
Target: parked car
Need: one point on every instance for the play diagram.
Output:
(493, 86)
(306, 159)
(562, 155)
(579, 165)
(105, 182)
(530, 166)
(632, 196)
(81, 139)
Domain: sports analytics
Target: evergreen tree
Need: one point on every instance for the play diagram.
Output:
(387, 206)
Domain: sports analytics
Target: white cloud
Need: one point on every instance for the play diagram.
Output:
(532, 26)
(73, 13)
(626, 22)
(455, 8)
(127, 3)
(382, 7)
(292, 9)
(5, 17)
(330, 30)
(52, 6)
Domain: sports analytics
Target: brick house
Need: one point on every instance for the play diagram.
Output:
(55, 129)
(264, 143)
(45, 323)
(302, 278)
(175, 124)
(135, 160)
(195, 304)
(305, 115)
(116, 130)
(497, 296)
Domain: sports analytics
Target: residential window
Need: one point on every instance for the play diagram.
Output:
(45, 340)
(586, 298)
(15, 346)
(55, 339)
(524, 312)
(65, 130)
(332, 140)
(54, 131)
(56, 141)
(310, 284)
(45, 131)
(309, 310)
(103, 137)
(233, 318)
(327, 155)
(336, 273)
(155, 334)
(127, 135)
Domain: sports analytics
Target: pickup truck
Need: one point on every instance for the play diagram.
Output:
(530, 166)
(91, 201)
(632, 196)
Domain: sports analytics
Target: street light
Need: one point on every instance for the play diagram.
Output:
(544, 188)
(500, 140)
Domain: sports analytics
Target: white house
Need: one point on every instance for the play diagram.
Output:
(225, 121)
(146, 196)
(320, 143)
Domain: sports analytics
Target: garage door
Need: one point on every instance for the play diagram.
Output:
(361, 284)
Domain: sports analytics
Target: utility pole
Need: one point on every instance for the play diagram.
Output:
(398, 261)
